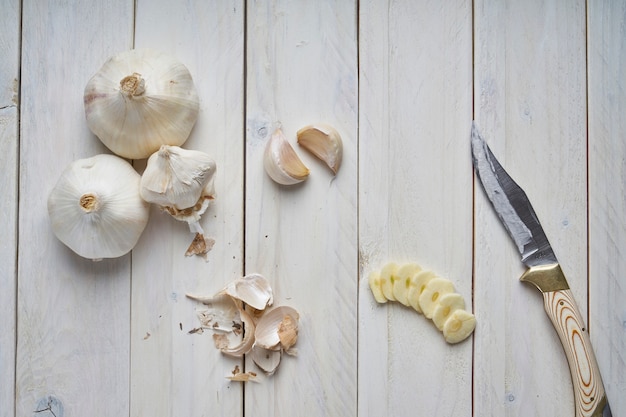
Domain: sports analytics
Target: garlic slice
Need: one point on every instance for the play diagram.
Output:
(324, 142)
(95, 207)
(139, 100)
(281, 162)
(277, 326)
(178, 179)
(252, 289)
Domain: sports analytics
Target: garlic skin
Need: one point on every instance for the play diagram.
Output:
(95, 208)
(277, 329)
(324, 142)
(281, 162)
(180, 181)
(139, 100)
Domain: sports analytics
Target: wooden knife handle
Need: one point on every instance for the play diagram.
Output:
(589, 396)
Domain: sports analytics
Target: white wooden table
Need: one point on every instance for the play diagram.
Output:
(401, 80)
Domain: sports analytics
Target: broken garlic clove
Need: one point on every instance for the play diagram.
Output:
(177, 179)
(266, 359)
(277, 326)
(324, 142)
(252, 289)
(281, 162)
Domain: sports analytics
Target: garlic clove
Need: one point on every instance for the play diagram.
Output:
(176, 178)
(139, 100)
(324, 142)
(266, 359)
(252, 289)
(95, 208)
(281, 162)
(277, 329)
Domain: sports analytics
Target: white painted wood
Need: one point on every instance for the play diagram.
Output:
(9, 127)
(530, 103)
(302, 69)
(73, 314)
(415, 201)
(173, 372)
(607, 171)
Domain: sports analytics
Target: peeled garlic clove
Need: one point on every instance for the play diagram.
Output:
(266, 359)
(178, 180)
(277, 326)
(139, 100)
(281, 162)
(324, 142)
(95, 207)
(252, 289)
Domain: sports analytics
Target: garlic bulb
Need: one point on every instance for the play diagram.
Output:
(139, 100)
(281, 162)
(95, 207)
(180, 181)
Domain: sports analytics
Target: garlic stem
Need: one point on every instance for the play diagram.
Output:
(133, 85)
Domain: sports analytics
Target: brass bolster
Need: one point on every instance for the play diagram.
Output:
(546, 278)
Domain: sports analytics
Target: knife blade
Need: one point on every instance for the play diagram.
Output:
(522, 224)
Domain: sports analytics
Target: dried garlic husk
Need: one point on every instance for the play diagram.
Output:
(95, 207)
(281, 162)
(252, 289)
(277, 326)
(324, 142)
(180, 181)
(266, 359)
(139, 100)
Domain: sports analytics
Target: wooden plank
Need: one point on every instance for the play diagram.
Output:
(302, 69)
(173, 372)
(9, 128)
(531, 105)
(73, 314)
(415, 201)
(607, 231)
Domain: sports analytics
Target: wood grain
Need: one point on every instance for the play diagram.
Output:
(73, 314)
(9, 129)
(530, 102)
(414, 198)
(607, 176)
(174, 372)
(302, 69)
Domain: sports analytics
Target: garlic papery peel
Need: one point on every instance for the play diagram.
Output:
(281, 162)
(277, 329)
(95, 207)
(177, 179)
(266, 359)
(247, 339)
(252, 289)
(324, 142)
(139, 100)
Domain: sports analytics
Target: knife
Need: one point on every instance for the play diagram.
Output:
(519, 219)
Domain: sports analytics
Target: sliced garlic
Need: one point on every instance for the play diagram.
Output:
(281, 162)
(95, 207)
(252, 289)
(180, 181)
(324, 142)
(459, 326)
(266, 359)
(402, 284)
(447, 304)
(139, 100)
(277, 326)
(418, 284)
(373, 280)
(429, 298)
(388, 274)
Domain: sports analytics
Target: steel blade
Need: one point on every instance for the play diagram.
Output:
(511, 204)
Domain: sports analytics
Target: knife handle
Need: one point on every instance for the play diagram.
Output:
(589, 396)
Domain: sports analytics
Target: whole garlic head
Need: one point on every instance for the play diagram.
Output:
(180, 181)
(139, 100)
(95, 208)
